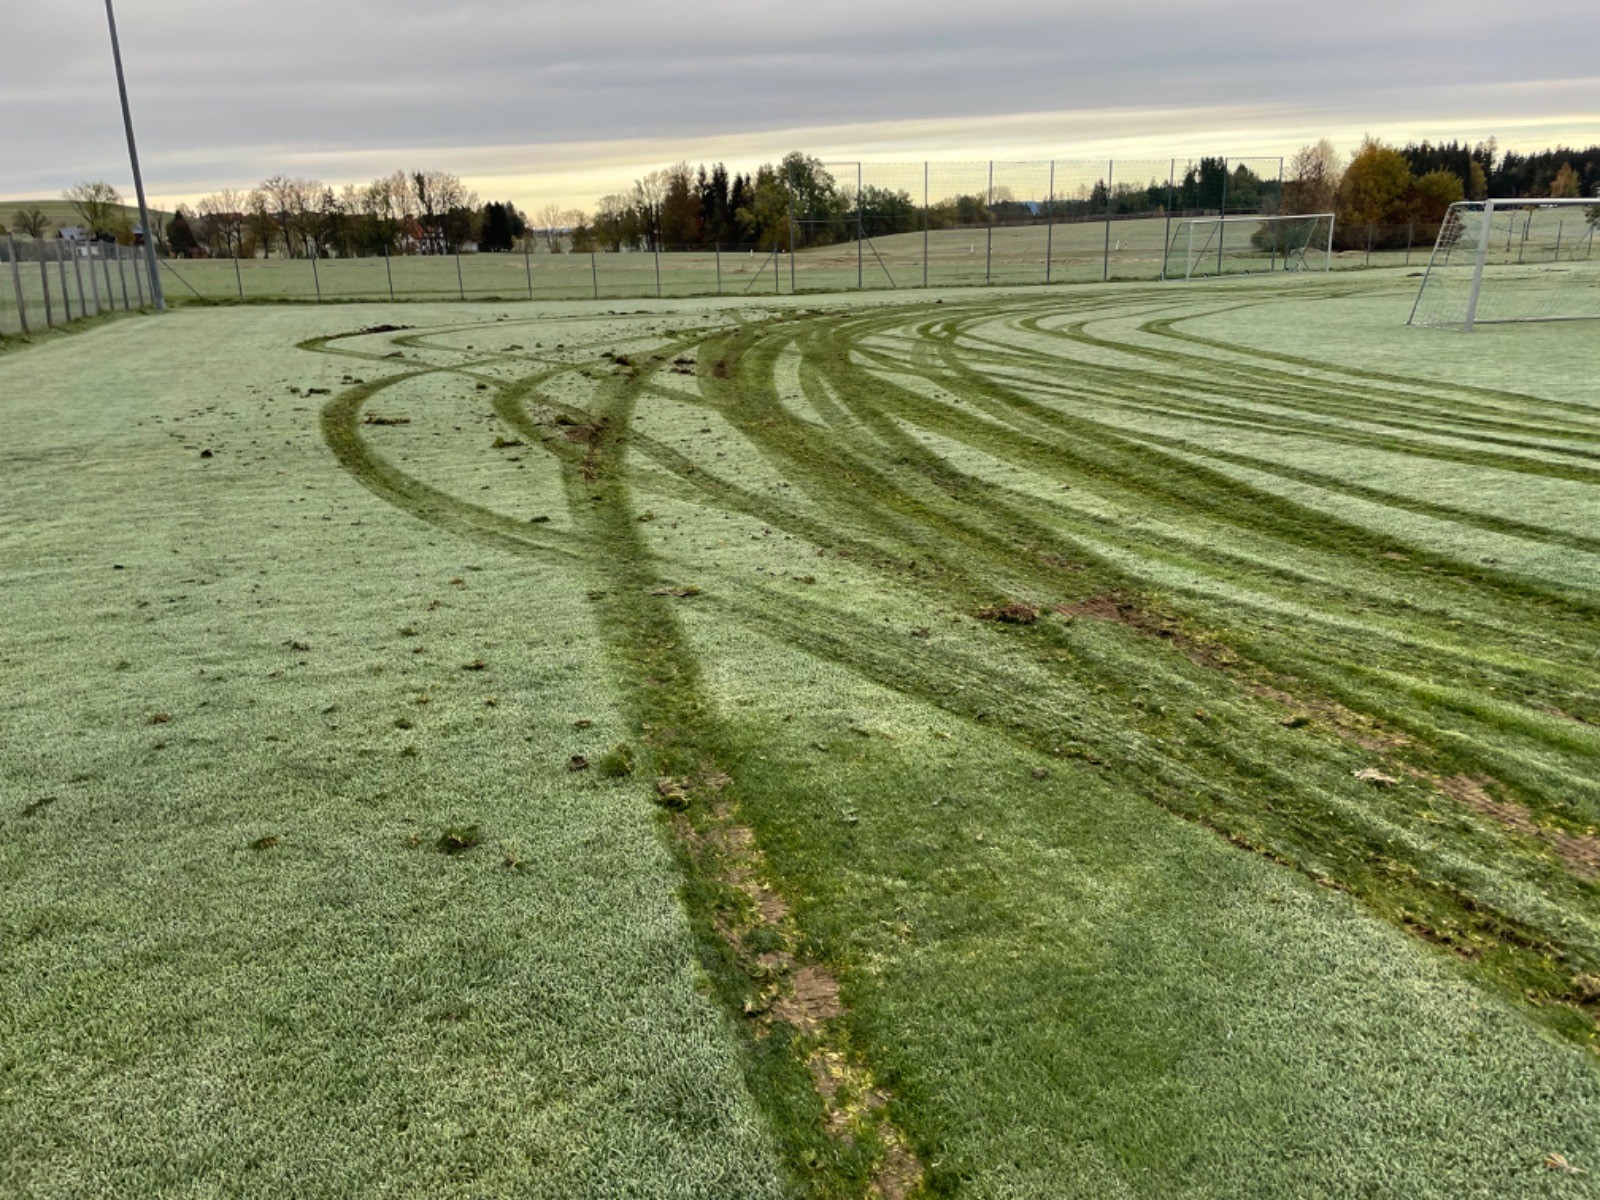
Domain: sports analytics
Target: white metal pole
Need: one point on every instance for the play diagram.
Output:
(138, 180)
(1477, 266)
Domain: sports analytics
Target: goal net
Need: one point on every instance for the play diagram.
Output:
(1499, 261)
(1203, 247)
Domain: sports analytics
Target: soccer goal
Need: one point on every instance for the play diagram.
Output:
(1203, 247)
(1501, 261)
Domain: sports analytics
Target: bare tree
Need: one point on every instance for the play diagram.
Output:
(1314, 174)
(550, 219)
(100, 206)
(31, 222)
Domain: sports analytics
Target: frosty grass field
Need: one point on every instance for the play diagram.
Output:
(560, 751)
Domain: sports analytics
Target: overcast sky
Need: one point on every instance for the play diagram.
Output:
(542, 102)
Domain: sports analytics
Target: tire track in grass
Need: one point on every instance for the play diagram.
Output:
(914, 522)
(799, 1046)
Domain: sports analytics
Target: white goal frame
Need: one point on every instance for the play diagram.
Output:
(1219, 227)
(1488, 208)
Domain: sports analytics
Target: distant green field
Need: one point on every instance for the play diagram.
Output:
(62, 215)
(1131, 741)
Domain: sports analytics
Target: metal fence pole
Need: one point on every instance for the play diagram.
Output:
(1368, 263)
(926, 221)
(388, 271)
(656, 246)
(860, 264)
(1111, 200)
(138, 281)
(316, 278)
(527, 263)
(66, 292)
(790, 191)
(777, 275)
(105, 269)
(1411, 234)
(461, 286)
(122, 278)
(238, 275)
(1222, 225)
(594, 274)
(77, 273)
(1166, 238)
(94, 283)
(16, 284)
(988, 245)
(719, 267)
(1050, 224)
(1560, 225)
(44, 283)
(1274, 264)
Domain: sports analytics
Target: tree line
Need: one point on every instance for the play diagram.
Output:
(1396, 193)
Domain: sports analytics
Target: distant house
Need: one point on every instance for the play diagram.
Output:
(73, 233)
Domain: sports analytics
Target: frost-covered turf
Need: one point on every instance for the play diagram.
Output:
(1112, 912)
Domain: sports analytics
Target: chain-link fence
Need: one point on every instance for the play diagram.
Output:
(46, 282)
(831, 226)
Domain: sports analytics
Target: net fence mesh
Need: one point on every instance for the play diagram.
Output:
(1540, 262)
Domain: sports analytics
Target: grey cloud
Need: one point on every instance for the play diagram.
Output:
(222, 90)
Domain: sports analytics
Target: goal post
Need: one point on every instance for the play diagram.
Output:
(1512, 260)
(1205, 247)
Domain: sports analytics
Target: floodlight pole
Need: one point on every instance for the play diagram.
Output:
(138, 180)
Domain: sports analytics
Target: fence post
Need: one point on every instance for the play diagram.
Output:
(860, 272)
(719, 267)
(461, 286)
(77, 273)
(238, 275)
(1368, 263)
(1279, 213)
(657, 241)
(105, 269)
(138, 281)
(790, 190)
(594, 274)
(1166, 238)
(61, 269)
(16, 283)
(122, 279)
(316, 278)
(527, 263)
(988, 243)
(1222, 225)
(388, 271)
(44, 283)
(1559, 226)
(926, 222)
(94, 284)
(1111, 200)
(1050, 224)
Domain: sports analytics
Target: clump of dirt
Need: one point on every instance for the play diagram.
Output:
(458, 839)
(264, 843)
(586, 432)
(719, 369)
(505, 443)
(680, 592)
(385, 328)
(617, 762)
(376, 419)
(1014, 613)
(577, 763)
